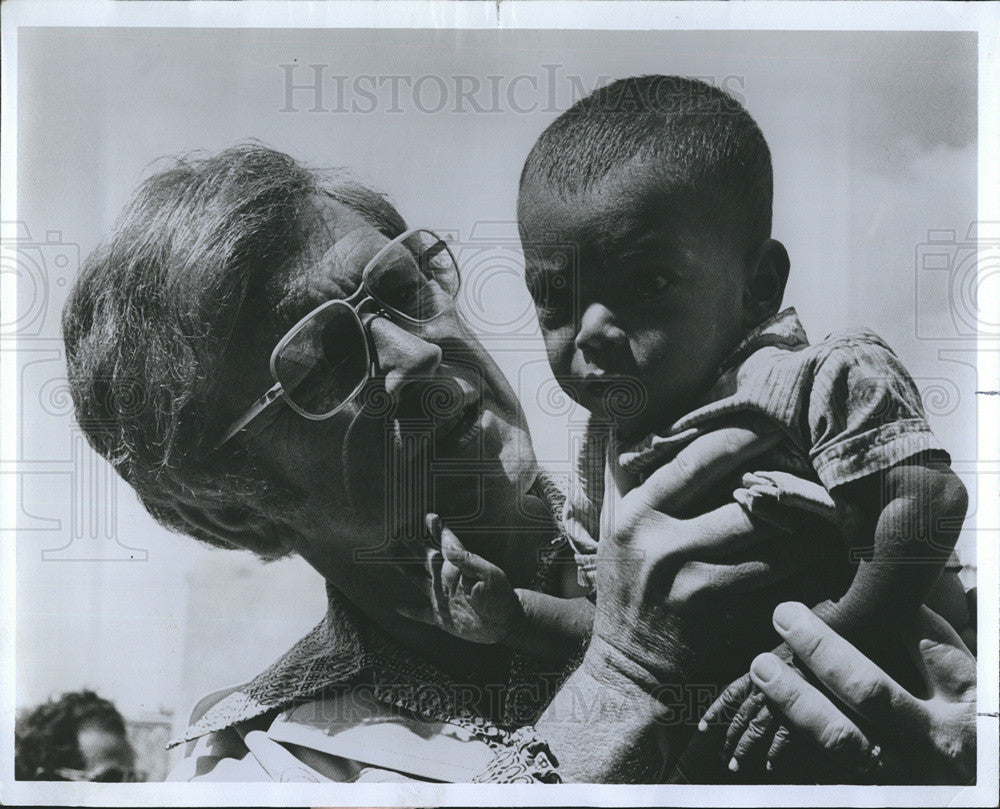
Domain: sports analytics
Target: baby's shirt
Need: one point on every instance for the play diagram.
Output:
(846, 406)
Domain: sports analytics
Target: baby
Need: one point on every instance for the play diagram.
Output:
(645, 215)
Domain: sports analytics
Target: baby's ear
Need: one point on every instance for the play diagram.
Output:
(767, 274)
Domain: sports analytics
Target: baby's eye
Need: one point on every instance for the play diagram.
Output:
(649, 282)
(551, 317)
(553, 297)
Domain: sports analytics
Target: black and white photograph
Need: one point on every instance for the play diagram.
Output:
(500, 403)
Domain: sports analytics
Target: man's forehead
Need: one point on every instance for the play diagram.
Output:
(339, 243)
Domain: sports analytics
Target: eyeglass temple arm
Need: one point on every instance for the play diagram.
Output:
(258, 407)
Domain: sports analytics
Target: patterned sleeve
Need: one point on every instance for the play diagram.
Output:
(865, 413)
(525, 758)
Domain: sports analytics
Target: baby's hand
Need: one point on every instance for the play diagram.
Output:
(754, 732)
(469, 597)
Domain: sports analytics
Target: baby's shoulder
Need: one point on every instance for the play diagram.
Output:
(840, 348)
(850, 338)
(840, 361)
(858, 348)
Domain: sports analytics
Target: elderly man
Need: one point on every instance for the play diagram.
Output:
(274, 363)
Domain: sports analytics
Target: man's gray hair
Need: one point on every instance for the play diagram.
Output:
(198, 258)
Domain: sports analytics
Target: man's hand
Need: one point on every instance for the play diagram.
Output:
(897, 738)
(469, 597)
(753, 732)
(665, 584)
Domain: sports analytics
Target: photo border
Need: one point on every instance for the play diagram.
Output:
(595, 15)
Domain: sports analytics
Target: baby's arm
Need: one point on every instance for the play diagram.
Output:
(472, 599)
(913, 512)
(551, 626)
(917, 508)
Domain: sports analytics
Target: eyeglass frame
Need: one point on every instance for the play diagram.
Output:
(277, 391)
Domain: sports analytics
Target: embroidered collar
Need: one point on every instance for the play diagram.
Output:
(346, 644)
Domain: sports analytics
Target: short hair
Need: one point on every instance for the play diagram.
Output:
(703, 138)
(46, 737)
(195, 266)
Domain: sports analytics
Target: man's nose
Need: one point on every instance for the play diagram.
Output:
(402, 356)
(598, 331)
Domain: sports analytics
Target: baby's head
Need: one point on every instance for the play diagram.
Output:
(645, 217)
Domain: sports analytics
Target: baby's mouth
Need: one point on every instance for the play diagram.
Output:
(616, 397)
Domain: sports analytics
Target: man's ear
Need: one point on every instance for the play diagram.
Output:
(238, 527)
(766, 279)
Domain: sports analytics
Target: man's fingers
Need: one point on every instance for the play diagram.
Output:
(741, 723)
(779, 746)
(726, 704)
(750, 572)
(722, 532)
(810, 713)
(851, 677)
(700, 466)
(757, 737)
(950, 667)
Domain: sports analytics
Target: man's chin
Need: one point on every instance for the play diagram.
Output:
(479, 498)
(476, 483)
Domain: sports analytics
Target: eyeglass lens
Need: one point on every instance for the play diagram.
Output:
(322, 364)
(416, 278)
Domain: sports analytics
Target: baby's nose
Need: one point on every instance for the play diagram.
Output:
(599, 330)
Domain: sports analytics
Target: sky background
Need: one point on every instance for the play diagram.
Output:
(873, 138)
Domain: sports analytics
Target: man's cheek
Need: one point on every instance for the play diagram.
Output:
(365, 463)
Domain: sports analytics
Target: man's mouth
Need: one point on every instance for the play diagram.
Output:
(462, 428)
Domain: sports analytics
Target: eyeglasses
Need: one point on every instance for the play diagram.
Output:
(324, 361)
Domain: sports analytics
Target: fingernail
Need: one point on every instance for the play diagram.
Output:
(764, 667)
(769, 767)
(734, 765)
(702, 725)
(785, 614)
